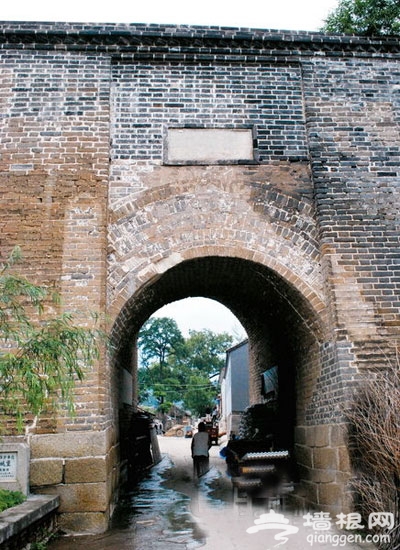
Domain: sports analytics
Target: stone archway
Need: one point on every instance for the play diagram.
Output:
(247, 237)
(263, 214)
(283, 327)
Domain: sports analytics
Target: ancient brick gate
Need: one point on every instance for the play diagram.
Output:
(145, 164)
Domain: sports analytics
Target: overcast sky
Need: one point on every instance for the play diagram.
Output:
(308, 15)
(201, 313)
(266, 14)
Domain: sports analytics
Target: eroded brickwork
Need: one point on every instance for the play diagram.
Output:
(301, 242)
(53, 175)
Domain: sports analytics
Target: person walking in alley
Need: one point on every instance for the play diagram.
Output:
(201, 444)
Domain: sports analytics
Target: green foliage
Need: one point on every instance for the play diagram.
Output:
(205, 351)
(40, 357)
(159, 338)
(178, 370)
(365, 17)
(8, 499)
(199, 394)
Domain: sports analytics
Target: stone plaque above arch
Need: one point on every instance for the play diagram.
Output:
(209, 146)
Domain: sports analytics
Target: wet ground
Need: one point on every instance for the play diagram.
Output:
(169, 510)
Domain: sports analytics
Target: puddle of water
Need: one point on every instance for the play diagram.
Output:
(217, 489)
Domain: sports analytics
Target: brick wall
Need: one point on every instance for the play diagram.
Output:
(352, 109)
(150, 98)
(53, 176)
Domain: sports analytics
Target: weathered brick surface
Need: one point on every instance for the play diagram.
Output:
(301, 243)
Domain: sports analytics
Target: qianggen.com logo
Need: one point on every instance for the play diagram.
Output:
(321, 524)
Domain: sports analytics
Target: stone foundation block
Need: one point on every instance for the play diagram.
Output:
(338, 435)
(303, 456)
(344, 459)
(46, 472)
(69, 445)
(330, 494)
(84, 522)
(112, 458)
(317, 436)
(83, 497)
(325, 458)
(321, 435)
(86, 470)
(323, 476)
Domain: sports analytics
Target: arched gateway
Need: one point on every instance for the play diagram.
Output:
(144, 164)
